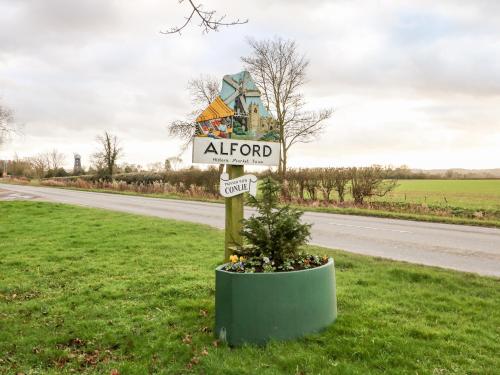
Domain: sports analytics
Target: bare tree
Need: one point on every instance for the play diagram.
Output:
(340, 179)
(172, 163)
(40, 165)
(6, 123)
(19, 167)
(209, 20)
(55, 159)
(203, 91)
(371, 181)
(279, 70)
(105, 158)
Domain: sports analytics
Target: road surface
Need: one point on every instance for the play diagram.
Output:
(459, 247)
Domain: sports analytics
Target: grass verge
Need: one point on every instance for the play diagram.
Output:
(403, 216)
(90, 291)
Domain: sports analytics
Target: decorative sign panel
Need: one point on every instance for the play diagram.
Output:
(236, 186)
(236, 128)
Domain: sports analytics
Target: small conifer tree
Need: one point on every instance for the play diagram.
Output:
(275, 232)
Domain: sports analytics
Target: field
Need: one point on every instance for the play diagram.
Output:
(92, 291)
(474, 194)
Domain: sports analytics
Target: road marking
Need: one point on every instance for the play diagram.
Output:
(363, 227)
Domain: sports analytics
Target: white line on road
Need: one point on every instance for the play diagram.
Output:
(363, 227)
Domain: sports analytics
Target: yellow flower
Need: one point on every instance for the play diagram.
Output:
(242, 259)
(233, 258)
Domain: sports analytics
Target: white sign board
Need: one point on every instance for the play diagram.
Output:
(236, 186)
(235, 151)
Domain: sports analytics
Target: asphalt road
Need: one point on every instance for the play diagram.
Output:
(459, 247)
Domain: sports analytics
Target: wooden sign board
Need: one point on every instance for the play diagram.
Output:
(244, 184)
(235, 152)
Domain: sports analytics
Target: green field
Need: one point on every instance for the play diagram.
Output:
(474, 194)
(87, 291)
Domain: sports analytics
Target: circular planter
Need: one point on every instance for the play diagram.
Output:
(256, 307)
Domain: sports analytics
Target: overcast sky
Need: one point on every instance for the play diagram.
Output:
(412, 82)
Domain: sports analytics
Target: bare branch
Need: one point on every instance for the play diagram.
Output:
(54, 159)
(184, 130)
(203, 91)
(279, 70)
(209, 21)
(305, 127)
(105, 158)
(7, 126)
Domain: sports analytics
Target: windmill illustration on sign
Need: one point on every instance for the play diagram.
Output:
(238, 112)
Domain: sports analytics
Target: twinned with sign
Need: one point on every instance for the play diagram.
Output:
(269, 288)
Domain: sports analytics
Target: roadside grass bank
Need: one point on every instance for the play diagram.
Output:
(87, 290)
(385, 209)
(403, 216)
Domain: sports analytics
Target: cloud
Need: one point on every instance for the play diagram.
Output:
(405, 78)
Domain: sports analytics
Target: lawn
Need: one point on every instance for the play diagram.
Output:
(86, 290)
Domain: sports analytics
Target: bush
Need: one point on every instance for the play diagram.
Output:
(274, 236)
(368, 182)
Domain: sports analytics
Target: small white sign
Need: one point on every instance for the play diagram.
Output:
(236, 186)
(235, 151)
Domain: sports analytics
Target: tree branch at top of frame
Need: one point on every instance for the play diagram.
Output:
(209, 20)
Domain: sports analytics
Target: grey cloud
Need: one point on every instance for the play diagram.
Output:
(73, 68)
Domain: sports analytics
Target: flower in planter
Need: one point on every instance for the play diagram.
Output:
(233, 258)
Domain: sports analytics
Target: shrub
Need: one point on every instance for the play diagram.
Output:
(274, 236)
(368, 182)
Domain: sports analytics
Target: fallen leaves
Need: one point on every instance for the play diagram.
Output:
(203, 313)
(75, 351)
(195, 359)
(20, 296)
(205, 329)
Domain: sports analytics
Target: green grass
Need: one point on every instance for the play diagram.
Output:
(402, 216)
(90, 290)
(474, 194)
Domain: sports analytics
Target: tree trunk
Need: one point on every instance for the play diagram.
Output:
(340, 192)
(283, 166)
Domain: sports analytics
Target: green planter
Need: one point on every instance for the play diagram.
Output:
(256, 307)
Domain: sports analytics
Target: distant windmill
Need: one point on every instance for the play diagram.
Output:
(77, 167)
